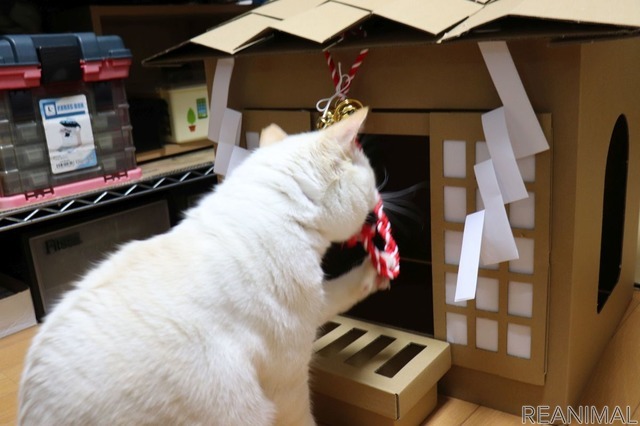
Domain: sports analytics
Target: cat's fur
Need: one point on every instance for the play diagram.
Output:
(212, 323)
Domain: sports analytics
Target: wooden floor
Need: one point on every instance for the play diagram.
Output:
(615, 382)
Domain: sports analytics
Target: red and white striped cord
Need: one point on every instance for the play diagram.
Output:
(387, 265)
(342, 87)
(335, 77)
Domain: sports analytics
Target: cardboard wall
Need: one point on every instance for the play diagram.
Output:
(583, 87)
(609, 88)
(504, 360)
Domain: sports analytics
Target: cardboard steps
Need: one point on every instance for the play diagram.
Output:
(372, 375)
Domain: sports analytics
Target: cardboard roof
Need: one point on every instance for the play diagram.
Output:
(321, 23)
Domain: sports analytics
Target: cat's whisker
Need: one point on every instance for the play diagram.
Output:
(390, 195)
(410, 213)
(384, 180)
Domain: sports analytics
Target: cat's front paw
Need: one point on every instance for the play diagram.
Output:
(371, 280)
(390, 261)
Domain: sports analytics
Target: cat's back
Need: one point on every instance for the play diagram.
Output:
(130, 336)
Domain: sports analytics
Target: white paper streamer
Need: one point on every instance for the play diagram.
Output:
(470, 257)
(219, 96)
(510, 180)
(237, 157)
(498, 243)
(223, 156)
(525, 132)
(229, 139)
(230, 127)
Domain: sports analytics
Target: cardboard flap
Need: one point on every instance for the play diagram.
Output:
(369, 5)
(181, 53)
(284, 9)
(318, 21)
(432, 16)
(236, 34)
(488, 13)
(323, 22)
(617, 12)
(625, 13)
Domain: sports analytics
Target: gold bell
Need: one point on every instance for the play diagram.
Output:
(325, 120)
(342, 110)
(345, 108)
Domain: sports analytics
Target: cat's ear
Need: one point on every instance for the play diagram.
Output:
(346, 130)
(271, 134)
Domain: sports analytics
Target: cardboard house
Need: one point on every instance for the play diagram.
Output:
(537, 324)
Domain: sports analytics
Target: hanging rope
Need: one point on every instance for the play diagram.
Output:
(338, 106)
(333, 109)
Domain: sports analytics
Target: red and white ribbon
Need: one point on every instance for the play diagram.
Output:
(355, 67)
(386, 261)
(387, 265)
(341, 82)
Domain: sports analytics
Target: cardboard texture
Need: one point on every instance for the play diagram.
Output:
(467, 127)
(321, 21)
(253, 121)
(352, 381)
(579, 91)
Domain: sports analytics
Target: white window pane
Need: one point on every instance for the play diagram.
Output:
(522, 213)
(456, 328)
(482, 152)
(492, 267)
(452, 247)
(455, 204)
(487, 294)
(455, 159)
(527, 166)
(520, 299)
(524, 264)
(450, 290)
(487, 334)
(519, 341)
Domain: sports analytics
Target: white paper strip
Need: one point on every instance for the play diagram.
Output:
(498, 244)
(238, 155)
(470, 257)
(229, 139)
(510, 180)
(524, 129)
(230, 127)
(219, 96)
(450, 282)
(223, 156)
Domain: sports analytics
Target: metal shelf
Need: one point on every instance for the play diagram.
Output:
(40, 212)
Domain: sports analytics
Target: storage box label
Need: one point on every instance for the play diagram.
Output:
(67, 127)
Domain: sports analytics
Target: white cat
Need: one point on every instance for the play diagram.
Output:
(213, 322)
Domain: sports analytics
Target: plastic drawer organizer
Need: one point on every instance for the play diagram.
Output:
(64, 117)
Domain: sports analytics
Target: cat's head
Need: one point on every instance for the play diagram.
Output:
(331, 172)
